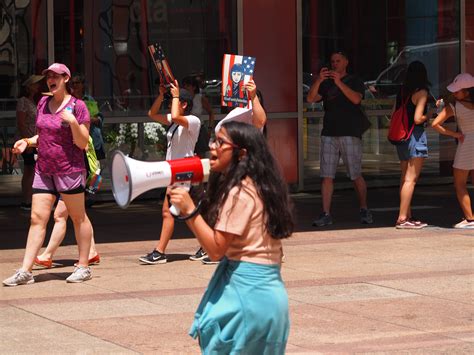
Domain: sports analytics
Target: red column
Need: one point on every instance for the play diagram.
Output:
(272, 40)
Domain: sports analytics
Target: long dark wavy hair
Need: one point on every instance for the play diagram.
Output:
(416, 78)
(259, 165)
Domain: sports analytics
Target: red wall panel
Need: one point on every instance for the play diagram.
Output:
(272, 40)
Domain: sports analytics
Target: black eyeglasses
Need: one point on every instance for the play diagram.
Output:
(218, 142)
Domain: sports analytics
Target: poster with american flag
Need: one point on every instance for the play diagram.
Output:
(237, 70)
(161, 64)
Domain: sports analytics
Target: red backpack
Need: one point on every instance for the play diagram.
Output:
(400, 129)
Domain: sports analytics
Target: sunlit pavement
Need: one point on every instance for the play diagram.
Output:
(352, 288)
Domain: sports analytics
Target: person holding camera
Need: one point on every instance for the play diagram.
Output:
(182, 136)
(341, 135)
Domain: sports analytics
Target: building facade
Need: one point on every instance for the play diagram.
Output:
(107, 41)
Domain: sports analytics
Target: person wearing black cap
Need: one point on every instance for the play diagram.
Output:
(182, 136)
(342, 94)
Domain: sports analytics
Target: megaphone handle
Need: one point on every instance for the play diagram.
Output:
(175, 211)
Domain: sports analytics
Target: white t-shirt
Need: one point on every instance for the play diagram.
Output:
(181, 140)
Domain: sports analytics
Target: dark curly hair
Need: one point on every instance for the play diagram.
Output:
(259, 165)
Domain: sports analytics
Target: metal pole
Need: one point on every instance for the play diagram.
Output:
(462, 35)
(299, 65)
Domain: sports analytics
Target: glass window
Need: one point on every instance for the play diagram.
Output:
(381, 39)
(107, 41)
(23, 47)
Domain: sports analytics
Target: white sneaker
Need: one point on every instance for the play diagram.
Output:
(80, 274)
(19, 278)
(465, 224)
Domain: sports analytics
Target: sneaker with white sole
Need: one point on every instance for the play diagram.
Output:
(465, 224)
(200, 254)
(409, 224)
(208, 261)
(155, 257)
(20, 277)
(324, 219)
(420, 223)
(80, 274)
(366, 216)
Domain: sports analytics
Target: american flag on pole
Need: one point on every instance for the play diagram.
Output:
(161, 64)
(237, 70)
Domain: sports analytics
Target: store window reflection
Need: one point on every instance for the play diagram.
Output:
(23, 52)
(108, 40)
(380, 46)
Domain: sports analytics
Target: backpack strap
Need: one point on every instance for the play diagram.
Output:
(172, 133)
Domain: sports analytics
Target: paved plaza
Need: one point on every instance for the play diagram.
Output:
(352, 289)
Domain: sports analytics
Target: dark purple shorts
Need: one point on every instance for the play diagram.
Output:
(73, 183)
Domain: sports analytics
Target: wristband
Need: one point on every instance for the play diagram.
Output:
(191, 215)
(28, 143)
(175, 97)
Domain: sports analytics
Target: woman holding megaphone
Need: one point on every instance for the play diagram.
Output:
(182, 136)
(247, 213)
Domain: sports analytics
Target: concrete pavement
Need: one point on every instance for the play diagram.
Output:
(352, 288)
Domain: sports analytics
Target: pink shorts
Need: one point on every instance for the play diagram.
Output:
(73, 183)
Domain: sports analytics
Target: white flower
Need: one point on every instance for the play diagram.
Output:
(128, 133)
(153, 130)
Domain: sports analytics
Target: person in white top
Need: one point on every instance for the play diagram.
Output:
(201, 104)
(463, 110)
(182, 135)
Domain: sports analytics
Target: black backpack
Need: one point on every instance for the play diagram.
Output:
(202, 143)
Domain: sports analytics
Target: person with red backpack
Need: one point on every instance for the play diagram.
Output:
(412, 149)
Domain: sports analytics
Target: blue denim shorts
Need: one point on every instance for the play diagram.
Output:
(415, 147)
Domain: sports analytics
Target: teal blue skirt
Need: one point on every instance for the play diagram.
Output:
(243, 311)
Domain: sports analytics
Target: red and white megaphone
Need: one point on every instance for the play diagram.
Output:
(131, 178)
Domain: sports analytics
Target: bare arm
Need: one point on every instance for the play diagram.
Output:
(176, 116)
(421, 98)
(214, 242)
(354, 96)
(80, 132)
(313, 94)
(21, 144)
(259, 117)
(437, 124)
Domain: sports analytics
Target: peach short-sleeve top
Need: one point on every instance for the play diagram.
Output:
(242, 214)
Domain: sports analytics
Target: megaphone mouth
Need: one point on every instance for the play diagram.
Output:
(121, 179)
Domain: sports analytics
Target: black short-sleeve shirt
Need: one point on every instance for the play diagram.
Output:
(341, 117)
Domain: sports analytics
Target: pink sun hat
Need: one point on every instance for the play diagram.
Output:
(58, 68)
(461, 81)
